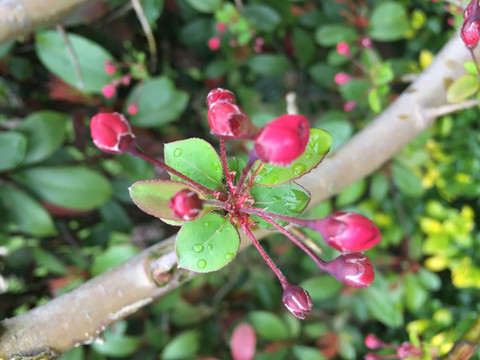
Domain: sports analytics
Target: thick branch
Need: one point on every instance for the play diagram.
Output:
(79, 316)
(19, 17)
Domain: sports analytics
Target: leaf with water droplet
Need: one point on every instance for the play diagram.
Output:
(318, 146)
(220, 237)
(288, 199)
(152, 196)
(196, 159)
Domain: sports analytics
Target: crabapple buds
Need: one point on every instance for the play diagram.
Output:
(372, 356)
(297, 301)
(220, 94)
(343, 49)
(214, 43)
(347, 232)
(283, 140)
(470, 31)
(353, 269)
(228, 121)
(109, 91)
(373, 342)
(186, 204)
(111, 132)
(341, 78)
(110, 69)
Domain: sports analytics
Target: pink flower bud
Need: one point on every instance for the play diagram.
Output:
(470, 9)
(109, 91)
(366, 42)
(373, 342)
(220, 94)
(353, 269)
(283, 140)
(126, 79)
(258, 46)
(470, 33)
(186, 204)
(372, 356)
(408, 350)
(297, 301)
(343, 49)
(349, 106)
(110, 69)
(228, 121)
(221, 27)
(214, 43)
(347, 231)
(111, 132)
(341, 78)
(132, 109)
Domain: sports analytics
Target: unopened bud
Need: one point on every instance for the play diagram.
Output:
(343, 49)
(373, 342)
(228, 121)
(297, 301)
(111, 132)
(186, 204)
(220, 94)
(353, 269)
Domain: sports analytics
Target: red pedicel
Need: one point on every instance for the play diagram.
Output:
(111, 132)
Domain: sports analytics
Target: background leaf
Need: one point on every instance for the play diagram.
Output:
(388, 22)
(462, 88)
(12, 149)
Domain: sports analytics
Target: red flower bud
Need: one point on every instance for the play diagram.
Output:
(353, 269)
(220, 94)
(408, 350)
(132, 109)
(111, 132)
(373, 342)
(109, 91)
(297, 301)
(343, 49)
(221, 27)
(470, 33)
(110, 69)
(228, 121)
(283, 140)
(214, 43)
(347, 232)
(372, 356)
(186, 204)
(341, 78)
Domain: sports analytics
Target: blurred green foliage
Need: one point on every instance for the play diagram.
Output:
(66, 215)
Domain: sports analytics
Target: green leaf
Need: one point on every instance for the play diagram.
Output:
(263, 17)
(72, 187)
(49, 261)
(182, 346)
(382, 308)
(388, 22)
(268, 64)
(205, 6)
(12, 149)
(415, 292)
(322, 287)
(45, 132)
(462, 88)
(207, 244)
(383, 73)
(317, 147)
(268, 325)
(355, 89)
(159, 102)
(407, 181)
(323, 74)
(288, 199)
(196, 159)
(332, 34)
(152, 196)
(351, 194)
(379, 187)
(116, 343)
(338, 126)
(374, 100)
(306, 352)
(54, 55)
(30, 217)
(113, 256)
(304, 45)
(153, 9)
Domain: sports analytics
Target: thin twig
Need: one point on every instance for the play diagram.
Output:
(73, 56)
(433, 113)
(152, 45)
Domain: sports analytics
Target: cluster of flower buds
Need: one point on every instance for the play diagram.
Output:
(404, 351)
(470, 31)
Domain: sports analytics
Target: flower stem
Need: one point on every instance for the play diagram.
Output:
(322, 265)
(223, 156)
(252, 157)
(283, 280)
(261, 213)
(135, 151)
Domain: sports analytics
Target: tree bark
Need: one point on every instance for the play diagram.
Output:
(81, 315)
(19, 17)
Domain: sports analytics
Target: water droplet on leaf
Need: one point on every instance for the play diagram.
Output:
(198, 248)
(299, 169)
(276, 198)
(177, 152)
(207, 223)
(209, 246)
(229, 256)
(201, 264)
(308, 156)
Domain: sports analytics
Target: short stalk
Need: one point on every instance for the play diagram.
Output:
(223, 156)
(135, 151)
(322, 265)
(261, 213)
(252, 157)
(283, 280)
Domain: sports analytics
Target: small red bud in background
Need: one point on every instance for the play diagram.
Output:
(342, 78)
(373, 342)
(220, 94)
(111, 132)
(132, 109)
(186, 204)
(343, 49)
(297, 301)
(372, 356)
(349, 106)
(365, 42)
(258, 46)
(243, 342)
(221, 27)
(353, 269)
(110, 69)
(347, 231)
(214, 43)
(109, 91)
(126, 79)
(228, 120)
(283, 140)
